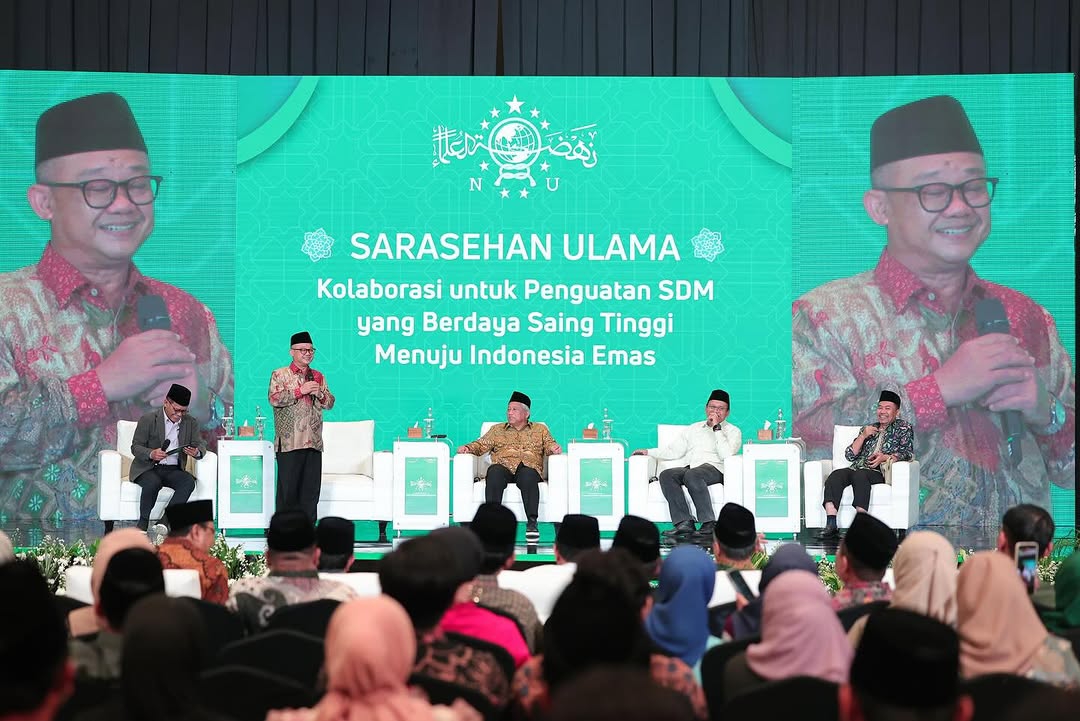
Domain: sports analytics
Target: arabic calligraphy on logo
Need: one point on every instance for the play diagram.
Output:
(421, 484)
(246, 482)
(596, 485)
(514, 144)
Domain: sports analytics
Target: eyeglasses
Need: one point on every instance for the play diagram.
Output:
(305, 351)
(936, 197)
(101, 192)
(176, 408)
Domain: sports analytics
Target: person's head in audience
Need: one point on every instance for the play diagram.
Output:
(290, 542)
(7, 548)
(577, 534)
(589, 697)
(1000, 631)
(86, 620)
(679, 620)
(335, 536)
(801, 634)
(619, 567)
(641, 538)
(865, 553)
(37, 675)
(1066, 614)
(735, 538)
(164, 653)
(468, 557)
(1045, 703)
(746, 622)
(192, 521)
(495, 526)
(924, 569)
(1026, 522)
(422, 575)
(596, 620)
(370, 652)
(131, 575)
(905, 669)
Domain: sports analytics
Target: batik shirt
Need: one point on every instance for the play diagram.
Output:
(213, 578)
(446, 659)
(885, 329)
(55, 329)
(899, 440)
(298, 417)
(486, 592)
(861, 593)
(510, 447)
(256, 599)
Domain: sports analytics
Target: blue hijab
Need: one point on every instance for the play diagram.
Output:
(679, 620)
(789, 557)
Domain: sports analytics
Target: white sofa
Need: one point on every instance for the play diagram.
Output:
(470, 482)
(357, 480)
(897, 505)
(644, 497)
(178, 582)
(118, 497)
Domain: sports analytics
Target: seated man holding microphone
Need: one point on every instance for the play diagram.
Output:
(160, 438)
(893, 440)
(517, 451)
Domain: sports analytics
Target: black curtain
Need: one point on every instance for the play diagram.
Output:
(543, 37)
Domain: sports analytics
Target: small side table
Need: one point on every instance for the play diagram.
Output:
(772, 471)
(246, 471)
(421, 484)
(596, 479)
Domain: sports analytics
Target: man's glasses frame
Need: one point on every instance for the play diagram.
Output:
(305, 351)
(930, 194)
(100, 188)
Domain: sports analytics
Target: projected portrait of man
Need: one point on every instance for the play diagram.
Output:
(87, 339)
(922, 321)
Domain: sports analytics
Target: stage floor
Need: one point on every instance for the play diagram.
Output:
(25, 533)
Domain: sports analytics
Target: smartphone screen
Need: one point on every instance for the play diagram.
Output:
(1027, 563)
(740, 585)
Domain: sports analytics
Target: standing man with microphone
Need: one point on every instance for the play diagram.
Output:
(164, 438)
(88, 340)
(299, 395)
(871, 455)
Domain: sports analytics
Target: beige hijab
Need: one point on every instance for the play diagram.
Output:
(924, 569)
(1000, 632)
(82, 621)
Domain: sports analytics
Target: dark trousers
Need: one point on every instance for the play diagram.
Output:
(158, 477)
(299, 480)
(860, 481)
(527, 480)
(697, 481)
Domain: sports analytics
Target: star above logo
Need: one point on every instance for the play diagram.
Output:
(515, 105)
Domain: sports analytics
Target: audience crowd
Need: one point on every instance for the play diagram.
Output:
(618, 634)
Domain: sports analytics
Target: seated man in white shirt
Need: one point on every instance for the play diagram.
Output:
(703, 447)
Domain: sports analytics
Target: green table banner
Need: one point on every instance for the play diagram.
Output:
(595, 486)
(421, 488)
(246, 484)
(771, 487)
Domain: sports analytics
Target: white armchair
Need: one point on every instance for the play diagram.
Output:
(897, 505)
(644, 497)
(118, 496)
(470, 483)
(357, 480)
(179, 582)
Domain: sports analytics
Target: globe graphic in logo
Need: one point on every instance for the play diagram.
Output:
(514, 142)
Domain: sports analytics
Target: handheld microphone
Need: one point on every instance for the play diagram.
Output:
(152, 313)
(165, 445)
(990, 318)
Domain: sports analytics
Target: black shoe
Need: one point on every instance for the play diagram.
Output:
(683, 528)
(705, 533)
(532, 532)
(829, 533)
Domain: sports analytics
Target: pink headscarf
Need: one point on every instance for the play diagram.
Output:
(800, 632)
(370, 652)
(1000, 631)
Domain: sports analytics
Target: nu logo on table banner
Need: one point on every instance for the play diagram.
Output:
(771, 488)
(514, 143)
(595, 479)
(421, 490)
(246, 484)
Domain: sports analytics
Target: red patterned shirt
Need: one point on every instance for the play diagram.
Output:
(297, 417)
(213, 578)
(884, 329)
(55, 329)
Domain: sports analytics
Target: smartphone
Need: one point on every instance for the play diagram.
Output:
(740, 585)
(1027, 563)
